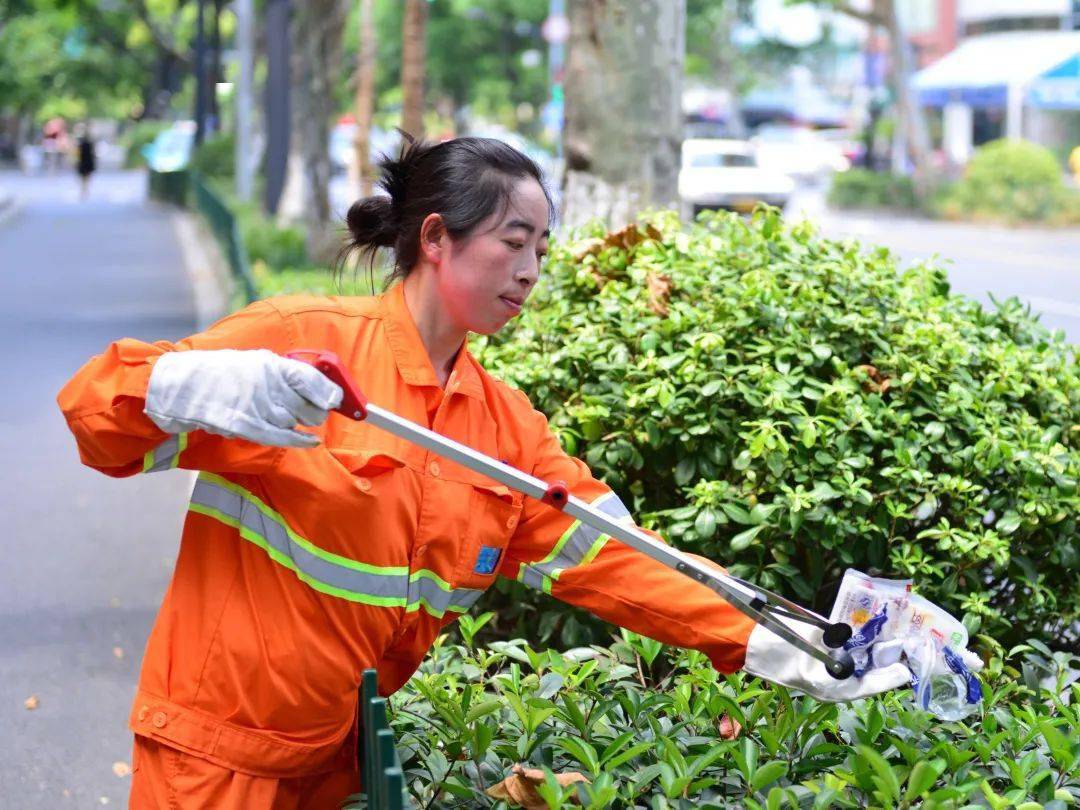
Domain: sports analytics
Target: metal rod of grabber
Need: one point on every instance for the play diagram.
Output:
(744, 598)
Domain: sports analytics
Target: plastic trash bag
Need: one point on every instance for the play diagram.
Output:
(890, 624)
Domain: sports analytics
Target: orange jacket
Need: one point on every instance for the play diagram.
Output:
(299, 568)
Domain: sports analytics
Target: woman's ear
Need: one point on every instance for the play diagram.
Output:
(433, 237)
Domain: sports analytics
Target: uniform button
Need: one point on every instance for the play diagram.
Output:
(420, 552)
(143, 712)
(364, 484)
(160, 719)
(511, 522)
(433, 468)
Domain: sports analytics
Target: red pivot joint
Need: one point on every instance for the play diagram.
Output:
(556, 495)
(353, 402)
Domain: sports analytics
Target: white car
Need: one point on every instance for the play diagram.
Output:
(798, 152)
(718, 173)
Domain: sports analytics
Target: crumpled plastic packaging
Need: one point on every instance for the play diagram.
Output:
(890, 624)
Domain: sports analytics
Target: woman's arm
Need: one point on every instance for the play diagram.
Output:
(575, 563)
(104, 403)
(560, 556)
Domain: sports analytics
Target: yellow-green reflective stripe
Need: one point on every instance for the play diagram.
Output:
(577, 546)
(385, 586)
(311, 548)
(286, 561)
(166, 456)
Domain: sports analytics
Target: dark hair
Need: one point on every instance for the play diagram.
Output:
(464, 180)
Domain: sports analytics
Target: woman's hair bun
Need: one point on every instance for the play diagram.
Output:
(372, 223)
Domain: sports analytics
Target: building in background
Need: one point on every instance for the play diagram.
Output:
(977, 17)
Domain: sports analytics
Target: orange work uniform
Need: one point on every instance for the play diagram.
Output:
(300, 568)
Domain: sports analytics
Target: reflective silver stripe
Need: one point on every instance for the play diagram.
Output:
(579, 544)
(437, 597)
(385, 586)
(166, 455)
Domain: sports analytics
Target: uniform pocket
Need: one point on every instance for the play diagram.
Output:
(367, 467)
(494, 512)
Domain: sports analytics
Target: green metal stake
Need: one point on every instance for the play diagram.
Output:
(395, 789)
(377, 725)
(387, 761)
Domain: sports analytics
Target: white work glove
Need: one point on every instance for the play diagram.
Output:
(770, 657)
(255, 395)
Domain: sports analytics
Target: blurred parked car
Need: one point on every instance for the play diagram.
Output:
(798, 152)
(719, 173)
(849, 143)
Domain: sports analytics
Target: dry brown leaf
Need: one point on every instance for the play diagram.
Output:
(118, 652)
(31, 702)
(877, 382)
(121, 769)
(659, 292)
(629, 236)
(519, 789)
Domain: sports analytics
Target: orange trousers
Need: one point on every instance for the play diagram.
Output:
(165, 778)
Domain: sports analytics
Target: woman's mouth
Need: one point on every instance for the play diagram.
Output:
(511, 304)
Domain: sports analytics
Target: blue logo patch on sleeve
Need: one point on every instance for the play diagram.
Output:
(488, 560)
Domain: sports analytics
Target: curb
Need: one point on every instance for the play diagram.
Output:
(211, 281)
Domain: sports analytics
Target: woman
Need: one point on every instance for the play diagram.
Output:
(315, 546)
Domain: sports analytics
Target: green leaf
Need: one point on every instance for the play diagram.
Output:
(885, 776)
(768, 773)
(922, 778)
(742, 540)
(483, 709)
(705, 524)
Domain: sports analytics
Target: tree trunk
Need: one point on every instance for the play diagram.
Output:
(413, 59)
(244, 99)
(317, 31)
(623, 131)
(724, 62)
(910, 118)
(365, 98)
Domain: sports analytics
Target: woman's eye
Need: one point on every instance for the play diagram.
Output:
(516, 245)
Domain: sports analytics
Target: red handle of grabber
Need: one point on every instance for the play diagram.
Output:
(353, 403)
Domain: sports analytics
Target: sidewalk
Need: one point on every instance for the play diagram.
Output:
(90, 556)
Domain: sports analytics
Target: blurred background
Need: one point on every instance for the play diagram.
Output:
(164, 161)
(939, 116)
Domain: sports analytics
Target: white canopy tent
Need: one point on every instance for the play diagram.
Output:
(1007, 71)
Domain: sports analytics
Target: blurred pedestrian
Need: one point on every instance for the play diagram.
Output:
(85, 161)
(53, 143)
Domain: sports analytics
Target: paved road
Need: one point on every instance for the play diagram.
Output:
(1039, 266)
(86, 557)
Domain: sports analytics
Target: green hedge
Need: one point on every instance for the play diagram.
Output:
(216, 157)
(790, 406)
(1013, 181)
(653, 728)
(862, 188)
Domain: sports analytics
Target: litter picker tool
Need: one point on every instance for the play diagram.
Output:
(763, 606)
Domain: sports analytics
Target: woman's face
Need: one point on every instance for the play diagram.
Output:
(485, 278)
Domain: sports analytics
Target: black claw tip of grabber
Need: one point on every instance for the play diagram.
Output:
(836, 634)
(841, 669)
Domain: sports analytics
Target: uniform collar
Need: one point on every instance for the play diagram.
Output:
(411, 355)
